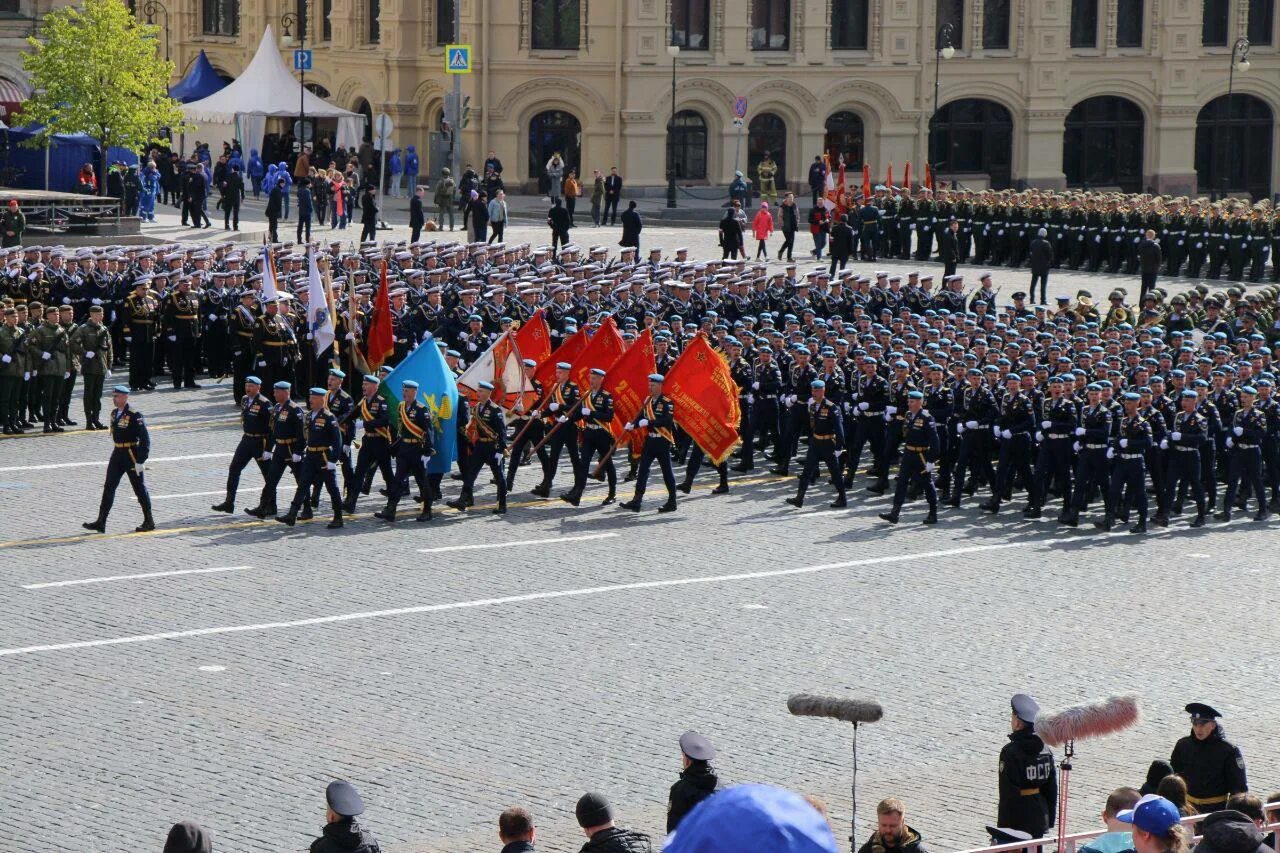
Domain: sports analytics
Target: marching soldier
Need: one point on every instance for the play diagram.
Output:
(339, 402)
(920, 446)
(1211, 765)
(287, 443)
(91, 343)
(323, 449)
(1132, 440)
(1187, 438)
(826, 440)
(657, 419)
(1028, 778)
(255, 440)
(132, 447)
(560, 401)
(529, 426)
(372, 414)
(12, 359)
(1248, 432)
(486, 439)
(413, 450)
(595, 414)
(49, 352)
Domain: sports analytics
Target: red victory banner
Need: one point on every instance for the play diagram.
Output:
(382, 338)
(604, 348)
(566, 352)
(706, 399)
(628, 381)
(533, 339)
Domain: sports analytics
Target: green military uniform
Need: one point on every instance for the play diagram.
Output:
(91, 343)
(50, 355)
(12, 361)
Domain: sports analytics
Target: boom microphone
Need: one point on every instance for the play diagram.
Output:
(849, 710)
(1094, 719)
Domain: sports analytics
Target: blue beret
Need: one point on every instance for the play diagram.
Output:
(1248, 389)
(453, 352)
(369, 377)
(475, 318)
(1131, 396)
(333, 371)
(915, 395)
(282, 386)
(487, 386)
(121, 389)
(1188, 394)
(563, 365)
(255, 380)
(318, 392)
(657, 377)
(1093, 386)
(817, 383)
(900, 363)
(409, 383)
(597, 371)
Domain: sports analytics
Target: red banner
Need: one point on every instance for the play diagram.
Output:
(906, 176)
(866, 181)
(533, 339)
(382, 338)
(928, 176)
(888, 178)
(706, 399)
(604, 348)
(567, 352)
(628, 381)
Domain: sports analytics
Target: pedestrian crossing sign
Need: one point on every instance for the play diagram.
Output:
(457, 59)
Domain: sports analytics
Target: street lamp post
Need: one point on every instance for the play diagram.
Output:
(673, 50)
(149, 9)
(287, 21)
(946, 50)
(1239, 62)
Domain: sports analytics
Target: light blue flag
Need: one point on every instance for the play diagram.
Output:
(437, 391)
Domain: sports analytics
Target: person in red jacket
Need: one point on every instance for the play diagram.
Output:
(762, 227)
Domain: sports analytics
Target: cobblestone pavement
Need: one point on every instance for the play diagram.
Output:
(449, 684)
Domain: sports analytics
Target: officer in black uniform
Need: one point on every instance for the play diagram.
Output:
(413, 449)
(697, 780)
(826, 440)
(920, 447)
(342, 833)
(560, 401)
(132, 447)
(372, 413)
(287, 439)
(657, 418)
(486, 440)
(1248, 431)
(320, 462)
(594, 415)
(255, 440)
(1028, 778)
(1211, 765)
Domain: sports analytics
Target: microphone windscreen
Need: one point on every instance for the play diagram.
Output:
(1094, 719)
(849, 710)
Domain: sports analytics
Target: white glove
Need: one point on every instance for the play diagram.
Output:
(26, 375)
(586, 413)
(1039, 436)
(1111, 453)
(995, 430)
(128, 340)
(863, 406)
(266, 457)
(629, 426)
(346, 450)
(751, 398)
(138, 469)
(755, 386)
(791, 401)
(1006, 434)
(262, 364)
(1238, 430)
(1080, 430)
(213, 318)
(562, 419)
(1124, 442)
(350, 336)
(89, 353)
(1075, 445)
(1176, 436)
(46, 355)
(66, 300)
(174, 338)
(959, 429)
(928, 467)
(1230, 442)
(425, 461)
(6, 358)
(96, 301)
(331, 466)
(536, 413)
(67, 375)
(497, 457)
(970, 424)
(309, 336)
(644, 422)
(890, 410)
(1046, 424)
(555, 407)
(1164, 444)
(471, 346)
(295, 457)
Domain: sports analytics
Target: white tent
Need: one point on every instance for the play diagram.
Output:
(264, 89)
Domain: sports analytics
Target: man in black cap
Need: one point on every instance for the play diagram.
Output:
(596, 819)
(343, 833)
(1028, 779)
(697, 780)
(1211, 765)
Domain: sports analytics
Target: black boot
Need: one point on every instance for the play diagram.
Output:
(260, 511)
(307, 514)
(148, 523)
(1141, 526)
(879, 487)
(608, 499)
(501, 508)
(99, 525)
(633, 505)
(669, 506)
(387, 513)
(1260, 515)
(1225, 515)
(840, 502)
(425, 515)
(686, 487)
(722, 489)
(225, 506)
(571, 498)
(932, 517)
(1198, 521)
(992, 506)
(458, 503)
(290, 518)
(891, 516)
(797, 502)
(1161, 520)
(337, 519)
(1106, 522)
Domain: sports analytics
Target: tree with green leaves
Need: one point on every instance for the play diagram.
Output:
(97, 70)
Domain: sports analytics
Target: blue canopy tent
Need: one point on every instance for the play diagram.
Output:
(56, 167)
(201, 81)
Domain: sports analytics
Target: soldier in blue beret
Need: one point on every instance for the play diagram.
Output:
(413, 449)
(255, 440)
(920, 449)
(373, 416)
(826, 440)
(322, 451)
(287, 441)
(1247, 432)
(657, 420)
(132, 447)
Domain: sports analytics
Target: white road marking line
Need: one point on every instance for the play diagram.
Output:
(143, 576)
(367, 615)
(97, 463)
(485, 545)
(185, 495)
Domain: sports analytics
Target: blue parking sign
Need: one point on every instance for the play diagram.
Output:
(302, 60)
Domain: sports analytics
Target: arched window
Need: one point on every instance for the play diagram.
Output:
(770, 24)
(691, 24)
(555, 25)
(849, 24)
(1102, 145)
(1233, 146)
(221, 17)
(973, 135)
(767, 134)
(362, 107)
(689, 146)
(1213, 26)
(844, 137)
(1262, 21)
(1084, 23)
(317, 90)
(551, 132)
(995, 25)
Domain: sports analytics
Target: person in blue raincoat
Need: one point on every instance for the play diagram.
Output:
(282, 171)
(411, 168)
(268, 182)
(257, 171)
(396, 167)
(150, 179)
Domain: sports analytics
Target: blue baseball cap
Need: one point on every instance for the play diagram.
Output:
(1152, 813)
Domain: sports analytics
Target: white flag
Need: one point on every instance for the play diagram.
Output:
(319, 320)
(269, 291)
